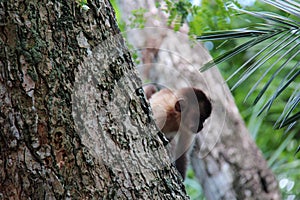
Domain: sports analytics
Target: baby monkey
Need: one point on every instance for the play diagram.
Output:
(179, 115)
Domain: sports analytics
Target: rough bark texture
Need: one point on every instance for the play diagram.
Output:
(226, 161)
(74, 123)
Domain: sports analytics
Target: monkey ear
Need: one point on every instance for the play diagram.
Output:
(179, 105)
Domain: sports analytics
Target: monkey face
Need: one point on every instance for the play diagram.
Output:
(190, 116)
(184, 110)
(194, 109)
(178, 115)
(194, 120)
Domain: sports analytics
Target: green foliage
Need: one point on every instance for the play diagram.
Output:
(272, 68)
(137, 20)
(210, 16)
(279, 35)
(178, 12)
(192, 186)
(258, 48)
(121, 23)
(83, 4)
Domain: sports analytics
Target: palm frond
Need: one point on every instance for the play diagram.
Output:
(267, 56)
(291, 7)
(259, 53)
(280, 36)
(276, 44)
(285, 118)
(280, 149)
(243, 47)
(290, 78)
(223, 35)
(298, 149)
(276, 72)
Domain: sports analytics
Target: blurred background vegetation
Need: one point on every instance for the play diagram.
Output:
(279, 146)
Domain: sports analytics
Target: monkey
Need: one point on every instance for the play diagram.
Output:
(179, 114)
(149, 90)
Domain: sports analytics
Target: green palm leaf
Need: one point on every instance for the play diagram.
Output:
(280, 35)
(291, 7)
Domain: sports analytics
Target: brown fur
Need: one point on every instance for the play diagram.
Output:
(149, 90)
(179, 114)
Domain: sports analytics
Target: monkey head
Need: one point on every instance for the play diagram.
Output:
(193, 107)
(181, 111)
(185, 109)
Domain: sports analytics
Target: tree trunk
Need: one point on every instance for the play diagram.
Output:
(226, 161)
(74, 122)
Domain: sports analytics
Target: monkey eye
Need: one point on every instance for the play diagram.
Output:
(179, 105)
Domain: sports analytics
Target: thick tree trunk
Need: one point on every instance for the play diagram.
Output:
(226, 161)
(74, 123)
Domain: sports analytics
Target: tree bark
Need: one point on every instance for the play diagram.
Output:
(74, 122)
(226, 161)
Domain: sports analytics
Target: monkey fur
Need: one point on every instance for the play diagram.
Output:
(179, 115)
